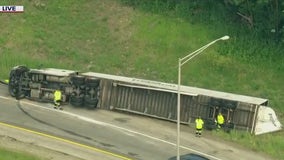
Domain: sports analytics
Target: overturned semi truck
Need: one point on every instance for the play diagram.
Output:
(144, 97)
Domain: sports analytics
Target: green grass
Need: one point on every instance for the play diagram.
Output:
(13, 155)
(266, 143)
(146, 42)
(61, 34)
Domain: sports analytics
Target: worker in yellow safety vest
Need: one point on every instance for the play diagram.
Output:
(220, 121)
(199, 126)
(57, 99)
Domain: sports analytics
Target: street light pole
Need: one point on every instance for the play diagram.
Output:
(182, 61)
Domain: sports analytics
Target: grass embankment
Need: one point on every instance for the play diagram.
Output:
(146, 42)
(11, 155)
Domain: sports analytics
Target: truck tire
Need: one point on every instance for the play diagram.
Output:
(228, 127)
(19, 70)
(78, 80)
(210, 124)
(76, 101)
(215, 102)
(232, 106)
(90, 102)
(14, 85)
(92, 82)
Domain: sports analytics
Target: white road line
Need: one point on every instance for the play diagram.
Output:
(4, 97)
(117, 127)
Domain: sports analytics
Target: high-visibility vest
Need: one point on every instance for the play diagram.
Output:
(199, 123)
(220, 119)
(57, 95)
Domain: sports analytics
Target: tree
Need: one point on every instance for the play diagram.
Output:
(264, 16)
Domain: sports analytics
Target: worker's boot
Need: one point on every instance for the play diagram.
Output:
(56, 106)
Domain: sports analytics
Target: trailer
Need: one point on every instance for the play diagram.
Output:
(145, 97)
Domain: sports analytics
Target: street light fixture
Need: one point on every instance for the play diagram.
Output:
(181, 62)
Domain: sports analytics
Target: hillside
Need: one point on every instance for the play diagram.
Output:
(116, 38)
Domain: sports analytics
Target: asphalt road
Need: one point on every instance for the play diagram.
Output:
(110, 135)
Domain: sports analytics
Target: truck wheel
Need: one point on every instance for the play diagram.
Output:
(231, 106)
(92, 82)
(215, 102)
(19, 70)
(76, 101)
(210, 124)
(12, 91)
(78, 80)
(14, 82)
(16, 92)
(90, 102)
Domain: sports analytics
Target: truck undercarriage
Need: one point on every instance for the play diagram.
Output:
(40, 85)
